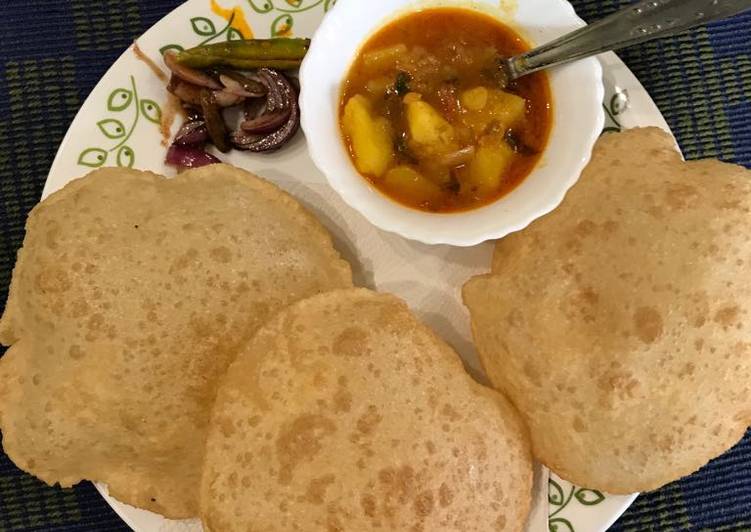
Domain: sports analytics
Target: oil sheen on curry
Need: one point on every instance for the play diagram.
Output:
(427, 119)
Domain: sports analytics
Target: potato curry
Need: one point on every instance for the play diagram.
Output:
(426, 120)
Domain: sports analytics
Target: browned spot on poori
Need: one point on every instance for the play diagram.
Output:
(648, 324)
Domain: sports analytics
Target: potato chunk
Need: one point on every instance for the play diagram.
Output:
(383, 59)
(429, 133)
(474, 99)
(370, 137)
(490, 108)
(408, 182)
(507, 108)
(378, 86)
(492, 159)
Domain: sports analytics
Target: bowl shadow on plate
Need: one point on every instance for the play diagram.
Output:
(335, 223)
(469, 257)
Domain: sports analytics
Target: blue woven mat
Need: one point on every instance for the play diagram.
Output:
(52, 53)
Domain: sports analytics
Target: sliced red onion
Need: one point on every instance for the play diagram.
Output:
(458, 157)
(189, 157)
(192, 133)
(254, 107)
(191, 94)
(240, 139)
(191, 113)
(242, 86)
(280, 90)
(215, 125)
(187, 92)
(275, 140)
(191, 75)
(266, 123)
(233, 87)
(269, 122)
(226, 99)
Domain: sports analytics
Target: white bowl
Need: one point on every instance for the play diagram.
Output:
(577, 93)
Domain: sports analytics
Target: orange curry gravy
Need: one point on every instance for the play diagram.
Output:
(440, 54)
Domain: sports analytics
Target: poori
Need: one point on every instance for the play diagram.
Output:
(131, 295)
(619, 324)
(344, 412)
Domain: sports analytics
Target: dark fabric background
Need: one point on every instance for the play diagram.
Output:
(52, 53)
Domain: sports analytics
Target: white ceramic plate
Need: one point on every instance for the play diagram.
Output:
(117, 125)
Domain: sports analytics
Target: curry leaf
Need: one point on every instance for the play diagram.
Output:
(401, 86)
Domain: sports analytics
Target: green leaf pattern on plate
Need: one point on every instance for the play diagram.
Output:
(555, 493)
(175, 47)
(559, 524)
(119, 100)
(125, 157)
(261, 6)
(589, 497)
(282, 25)
(234, 35)
(151, 111)
(616, 106)
(560, 497)
(112, 128)
(284, 21)
(92, 157)
(124, 101)
(203, 26)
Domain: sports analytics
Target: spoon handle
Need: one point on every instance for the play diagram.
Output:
(639, 22)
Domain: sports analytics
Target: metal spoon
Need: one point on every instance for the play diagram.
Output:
(634, 24)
